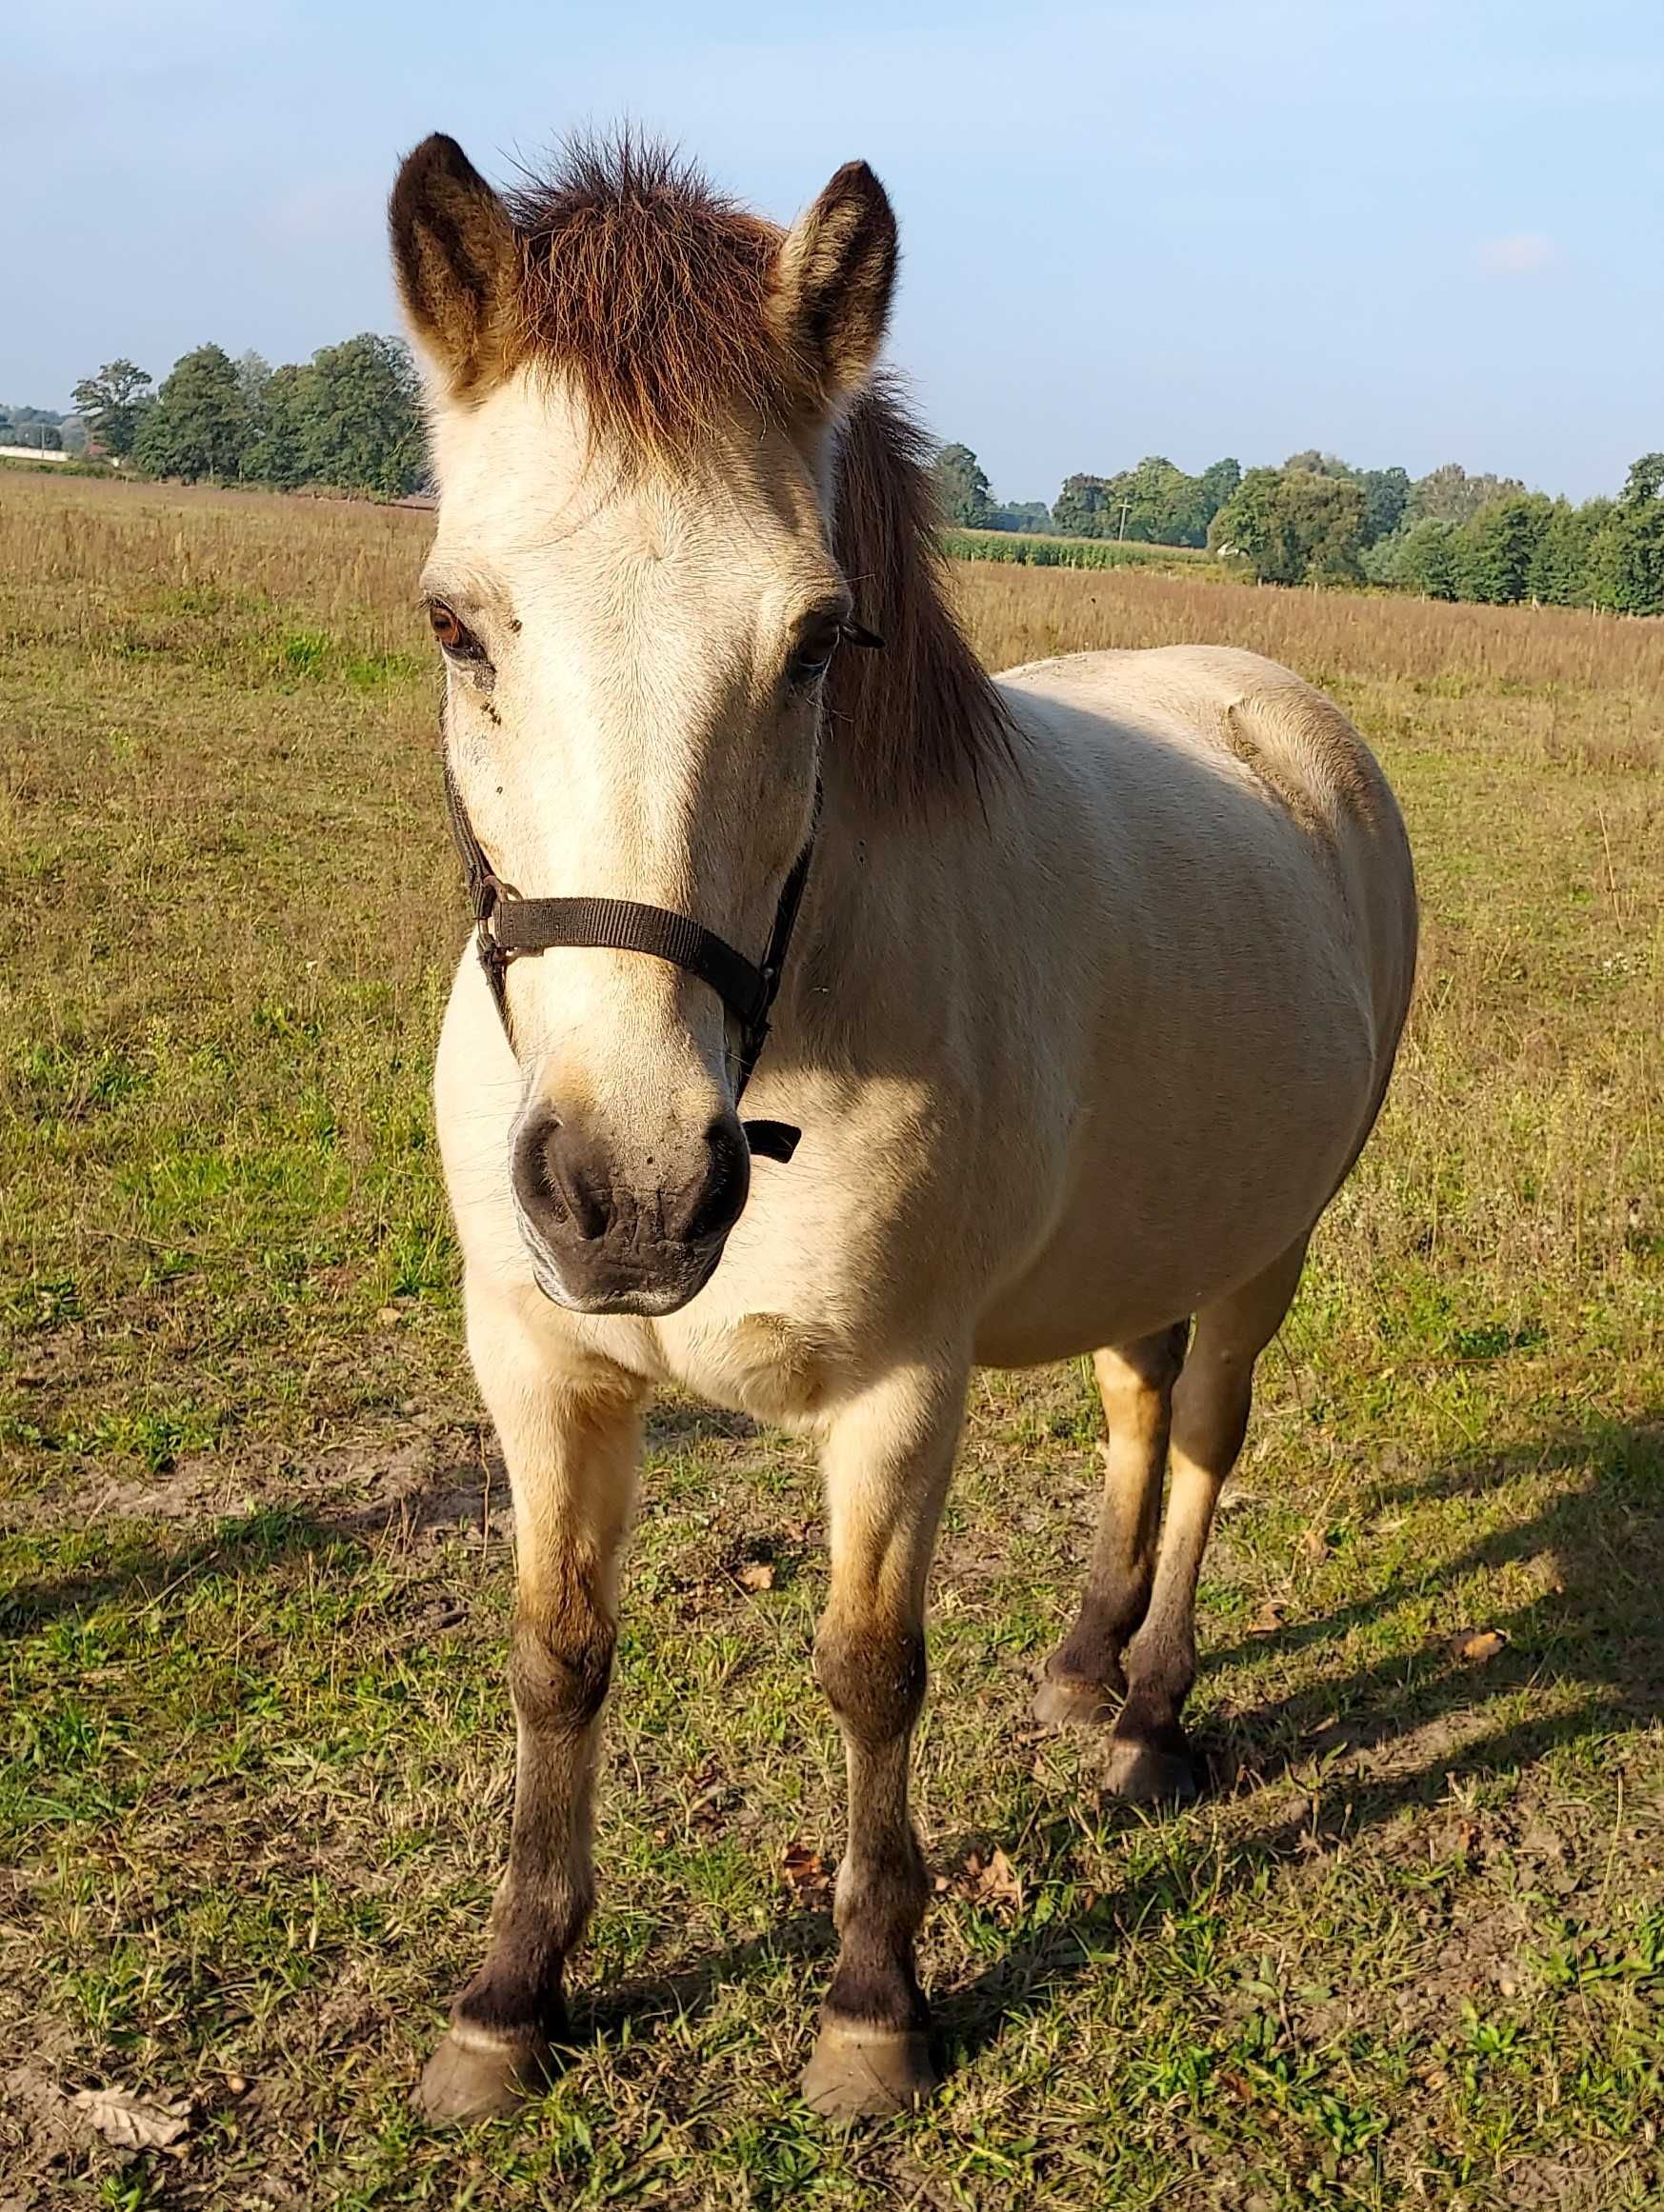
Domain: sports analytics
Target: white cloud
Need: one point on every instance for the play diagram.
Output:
(1521, 254)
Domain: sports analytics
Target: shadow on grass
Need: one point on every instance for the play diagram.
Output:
(1598, 1624)
(145, 1574)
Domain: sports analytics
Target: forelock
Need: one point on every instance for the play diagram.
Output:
(649, 289)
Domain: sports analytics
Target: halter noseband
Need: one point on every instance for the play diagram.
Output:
(507, 926)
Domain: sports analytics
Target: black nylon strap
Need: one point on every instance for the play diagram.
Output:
(623, 926)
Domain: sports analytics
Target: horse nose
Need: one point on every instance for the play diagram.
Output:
(712, 1202)
(562, 1170)
(556, 1171)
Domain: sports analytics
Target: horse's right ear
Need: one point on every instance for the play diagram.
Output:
(457, 259)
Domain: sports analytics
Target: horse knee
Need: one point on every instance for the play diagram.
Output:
(560, 1666)
(873, 1676)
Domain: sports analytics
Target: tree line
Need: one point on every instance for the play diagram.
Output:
(1318, 520)
(1448, 535)
(348, 418)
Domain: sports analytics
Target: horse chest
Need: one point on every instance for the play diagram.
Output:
(774, 1367)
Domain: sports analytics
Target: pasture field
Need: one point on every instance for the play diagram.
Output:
(255, 1552)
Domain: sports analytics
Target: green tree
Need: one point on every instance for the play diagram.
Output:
(1155, 503)
(1081, 509)
(361, 417)
(1312, 463)
(277, 451)
(1500, 544)
(112, 405)
(1218, 482)
(1386, 493)
(1560, 568)
(1449, 494)
(1032, 515)
(1251, 525)
(1430, 559)
(199, 425)
(962, 488)
(1627, 557)
(1294, 525)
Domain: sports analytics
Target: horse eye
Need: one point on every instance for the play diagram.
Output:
(812, 658)
(452, 633)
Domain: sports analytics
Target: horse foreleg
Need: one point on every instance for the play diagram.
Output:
(1150, 1754)
(1083, 1681)
(886, 1460)
(571, 1440)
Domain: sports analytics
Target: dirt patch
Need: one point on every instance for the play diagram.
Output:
(438, 1481)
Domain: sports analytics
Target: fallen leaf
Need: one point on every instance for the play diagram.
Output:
(709, 1800)
(1475, 1647)
(757, 1574)
(805, 1872)
(993, 1882)
(1269, 1618)
(132, 2122)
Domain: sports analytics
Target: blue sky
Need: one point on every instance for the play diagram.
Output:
(1400, 231)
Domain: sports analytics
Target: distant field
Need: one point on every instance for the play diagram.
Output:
(254, 1546)
(1030, 550)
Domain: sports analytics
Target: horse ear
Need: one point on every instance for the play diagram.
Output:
(833, 282)
(458, 260)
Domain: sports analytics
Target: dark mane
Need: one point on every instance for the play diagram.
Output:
(650, 291)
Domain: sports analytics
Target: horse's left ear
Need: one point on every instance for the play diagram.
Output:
(833, 277)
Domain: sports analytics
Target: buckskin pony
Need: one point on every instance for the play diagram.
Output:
(1075, 990)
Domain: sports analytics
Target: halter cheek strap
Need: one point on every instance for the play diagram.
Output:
(507, 926)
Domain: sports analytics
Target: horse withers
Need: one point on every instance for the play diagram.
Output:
(1082, 986)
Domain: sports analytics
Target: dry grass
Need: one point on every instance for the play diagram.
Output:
(252, 1589)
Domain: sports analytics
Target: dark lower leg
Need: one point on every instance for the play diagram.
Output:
(559, 1667)
(875, 1678)
(887, 1469)
(571, 1459)
(1152, 1756)
(1083, 1675)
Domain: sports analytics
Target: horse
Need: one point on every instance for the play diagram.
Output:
(1067, 1001)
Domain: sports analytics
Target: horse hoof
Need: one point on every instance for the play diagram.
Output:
(474, 2076)
(867, 2073)
(1143, 1773)
(1068, 1701)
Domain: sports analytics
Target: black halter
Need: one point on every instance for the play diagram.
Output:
(507, 926)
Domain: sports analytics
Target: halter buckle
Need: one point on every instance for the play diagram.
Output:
(494, 955)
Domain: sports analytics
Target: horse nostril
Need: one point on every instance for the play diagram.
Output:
(716, 1203)
(555, 1169)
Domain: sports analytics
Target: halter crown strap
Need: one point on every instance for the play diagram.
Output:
(507, 926)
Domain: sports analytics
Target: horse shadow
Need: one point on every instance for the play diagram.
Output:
(1598, 1550)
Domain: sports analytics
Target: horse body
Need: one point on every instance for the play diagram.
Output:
(1072, 1067)
(1092, 999)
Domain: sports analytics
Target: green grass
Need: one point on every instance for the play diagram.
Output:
(256, 1562)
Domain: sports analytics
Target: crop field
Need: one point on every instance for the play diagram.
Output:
(1031, 551)
(255, 1550)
